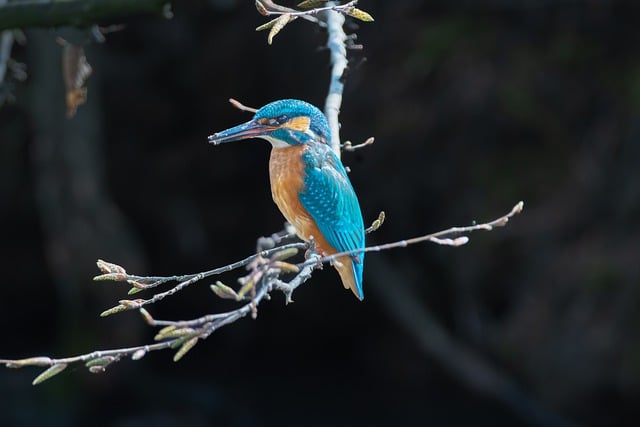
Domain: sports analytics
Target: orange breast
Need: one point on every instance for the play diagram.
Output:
(286, 171)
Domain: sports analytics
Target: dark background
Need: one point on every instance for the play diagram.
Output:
(475, 105)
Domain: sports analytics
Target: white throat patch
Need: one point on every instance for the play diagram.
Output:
(275, 142)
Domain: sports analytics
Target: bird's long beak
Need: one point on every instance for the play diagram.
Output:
(250, 129)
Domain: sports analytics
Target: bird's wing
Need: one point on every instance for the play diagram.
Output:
(330, 200)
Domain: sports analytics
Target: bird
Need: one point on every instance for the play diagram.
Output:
(309, 183)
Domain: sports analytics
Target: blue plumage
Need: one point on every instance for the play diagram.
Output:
(286, 109)
(330, 199)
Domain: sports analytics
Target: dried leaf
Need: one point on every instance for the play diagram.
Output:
(75, 98)
(75, 70)
(49, 373)
(278, 26)
(261, 9)
(185, 348)
(109, 267)
(354, 12)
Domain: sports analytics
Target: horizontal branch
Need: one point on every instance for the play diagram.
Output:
(314, 11)
(443, 237)
(113, 272)
(265, 268)
(77, 13)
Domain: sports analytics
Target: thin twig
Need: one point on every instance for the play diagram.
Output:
(348, 146)
(287, 288)
(148, 282)
(141, 283)
(240, 106)
(273, 8)
(441, 237)
(292, 12)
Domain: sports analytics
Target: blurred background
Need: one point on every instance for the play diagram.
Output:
(474, 105)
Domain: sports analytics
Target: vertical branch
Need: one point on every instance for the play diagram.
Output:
(336, 44)
(6, 41)
(78, 217)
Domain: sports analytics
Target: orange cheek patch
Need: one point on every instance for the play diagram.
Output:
(298, 123)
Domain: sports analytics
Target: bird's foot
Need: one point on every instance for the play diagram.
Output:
(313, 251)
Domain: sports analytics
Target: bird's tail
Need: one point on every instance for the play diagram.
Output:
(351, 274)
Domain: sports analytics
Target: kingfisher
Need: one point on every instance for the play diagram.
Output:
(309, 183)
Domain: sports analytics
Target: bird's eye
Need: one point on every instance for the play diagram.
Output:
(274, 121)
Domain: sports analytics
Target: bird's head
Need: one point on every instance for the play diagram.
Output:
(283, 123)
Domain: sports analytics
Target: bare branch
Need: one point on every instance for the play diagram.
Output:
(287, 11)
(286, 15)
(79, 13)
(6, 42)
(272, 8)
(140, 283)
(287, 288)
(266, 266)
(268, 8)
(182, 335)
